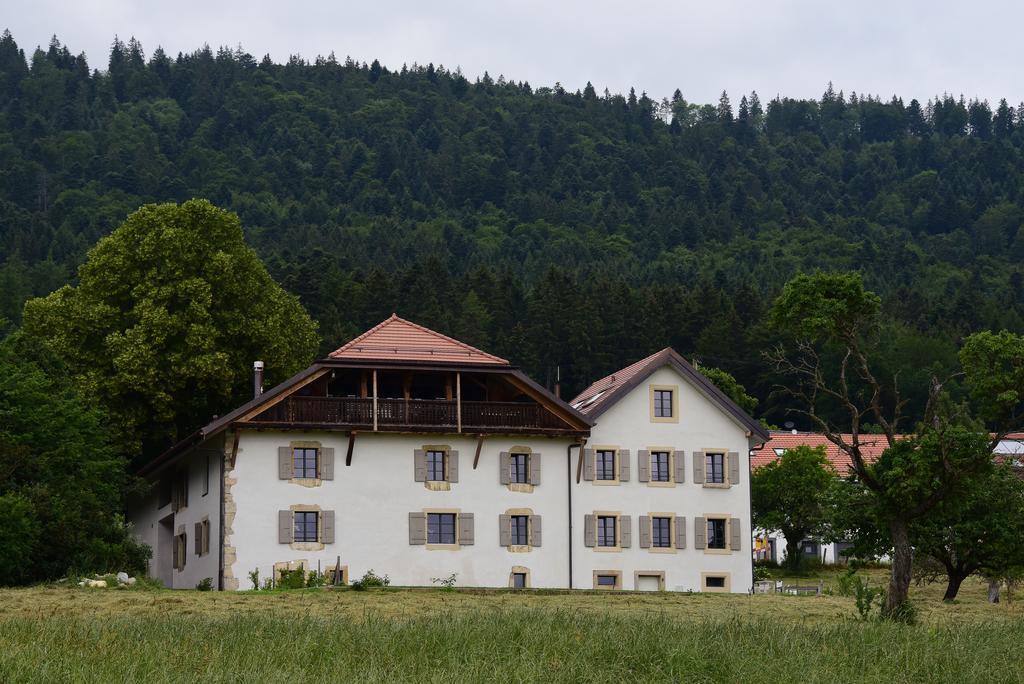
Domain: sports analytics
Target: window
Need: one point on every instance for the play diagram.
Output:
(662, 403)
(440, 528)
(661, 530)
(809, 548)
(714, 582)
(519, 468)
(714, 468)
(659, 466)
(716, 533)
(606, 530)
(518, 580)
(606, 581)
(305, 526)
(179, 552)
(520, 530)
(605, 465)
(179, 496)
(304, 463)
(435, 467)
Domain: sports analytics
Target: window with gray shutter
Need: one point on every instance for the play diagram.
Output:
(734, 468)
(284, 463)
(419, 462)
(417, 528)
(327, 463)
(625, 531)
(661, 466)
(590, 530)
(680, 466)
(698, 467)
(661, 532)
(466, 531)
(681, 532)
(327, 530)
(700, 533)
(535, 533)
(588, 464)
(734, 534)
(645, 531)
(534, 468)
(285, 528)
(520, 530)
(643, 466)
(624, 458)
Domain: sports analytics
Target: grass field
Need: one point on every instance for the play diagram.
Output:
(71, 634)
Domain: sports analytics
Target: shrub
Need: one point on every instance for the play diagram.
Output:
(254, 577)
(291, 579)
(447, 583)
(205, 584)
(371, 579)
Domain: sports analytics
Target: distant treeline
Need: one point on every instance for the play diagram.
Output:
(564, 230)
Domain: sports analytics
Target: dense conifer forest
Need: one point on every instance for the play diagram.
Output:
(564, 230)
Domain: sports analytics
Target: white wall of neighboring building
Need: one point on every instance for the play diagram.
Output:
(702, 425)
(372, 499)
(827, 553)
(157, 525)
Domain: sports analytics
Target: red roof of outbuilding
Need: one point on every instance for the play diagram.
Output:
(397, 339)
(871, 446)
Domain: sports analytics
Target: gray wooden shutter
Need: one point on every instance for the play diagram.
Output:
(327, 530)
(624, 457)
(174, 554)
(625, 531)
(505, 468)
(645, 530)
(734, 534)
(589, 530)
(505, 530)
(419, 464)
(285, 527)
(698, 467)
(734, 468)
(681, 532)
(199, 538)
(417, 528)
(453, 466)
(534, 460)
(588, 464)
(534, 530)
(284, 463)
(206, 536)
(700, 533)
(327, 463)
(466, 537)
(643, 467)
(680, 466)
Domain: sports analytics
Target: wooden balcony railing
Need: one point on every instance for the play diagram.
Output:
(396, 414)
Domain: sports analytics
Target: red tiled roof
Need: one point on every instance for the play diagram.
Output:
(397, 339)
(605, 385)
(872, 447)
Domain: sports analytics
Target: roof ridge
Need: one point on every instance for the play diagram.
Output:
(395, 318)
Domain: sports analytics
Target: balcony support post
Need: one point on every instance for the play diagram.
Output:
(458, 401)
(374, 399)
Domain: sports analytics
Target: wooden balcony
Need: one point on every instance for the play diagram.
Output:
(401, 415)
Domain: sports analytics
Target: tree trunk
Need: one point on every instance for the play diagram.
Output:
(956, 578)
(993, 591)
(793, 557)
(902, 564)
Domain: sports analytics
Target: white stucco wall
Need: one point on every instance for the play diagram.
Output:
(827, 552)
(702, 425)
(145, 517)
(373, 497)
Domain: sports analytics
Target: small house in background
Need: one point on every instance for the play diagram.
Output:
(771, 544)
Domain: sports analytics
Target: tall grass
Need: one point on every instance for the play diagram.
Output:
(508, 645)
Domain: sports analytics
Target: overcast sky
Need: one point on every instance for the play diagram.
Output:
(789, 47)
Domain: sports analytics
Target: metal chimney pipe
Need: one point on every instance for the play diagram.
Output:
(257, 378)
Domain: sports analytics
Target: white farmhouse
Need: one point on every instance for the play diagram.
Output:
(418, 456)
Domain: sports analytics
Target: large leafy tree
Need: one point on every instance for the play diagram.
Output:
(168, 315)
(832, 323)
(61, 480)
(791, 494)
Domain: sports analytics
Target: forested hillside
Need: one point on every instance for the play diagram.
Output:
(559, 229)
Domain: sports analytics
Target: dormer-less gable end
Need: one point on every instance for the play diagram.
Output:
(609, 390)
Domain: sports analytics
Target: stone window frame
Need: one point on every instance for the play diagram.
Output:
(728, 534)
(727, 588)
(522, 548)
(307, 444)
(525, 487)
(318, 545)
(441, 547)
(674, 418)
(616, 465)
(671, 482)
(519, 570)
(617, 574)
(444, 485)
(671, 548)
(660, 574)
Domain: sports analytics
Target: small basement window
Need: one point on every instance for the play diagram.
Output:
(606, 580)
(714, 582)
(518, 580)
